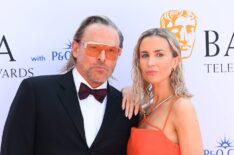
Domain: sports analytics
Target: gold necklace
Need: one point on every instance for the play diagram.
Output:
(155, 106)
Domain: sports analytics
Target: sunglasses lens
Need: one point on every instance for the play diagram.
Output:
(112, 53)
(94, 50)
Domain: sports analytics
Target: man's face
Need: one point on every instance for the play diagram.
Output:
(96, 68)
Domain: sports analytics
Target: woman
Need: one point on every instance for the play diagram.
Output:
(169, 125)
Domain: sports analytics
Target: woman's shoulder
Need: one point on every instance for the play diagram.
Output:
(183, 107)
(182, 102)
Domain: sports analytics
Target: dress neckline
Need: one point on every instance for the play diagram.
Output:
(154, 131)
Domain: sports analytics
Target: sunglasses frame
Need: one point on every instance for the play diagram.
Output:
(86, 43)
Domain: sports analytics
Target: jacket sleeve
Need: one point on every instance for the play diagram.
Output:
(18, 135)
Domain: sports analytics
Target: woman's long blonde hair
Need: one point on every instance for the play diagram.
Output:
(141, 87)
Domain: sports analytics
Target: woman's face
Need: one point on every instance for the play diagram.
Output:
(156, 60)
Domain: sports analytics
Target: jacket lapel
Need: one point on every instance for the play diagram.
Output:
(69, 99)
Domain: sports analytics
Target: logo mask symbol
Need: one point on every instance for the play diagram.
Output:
(183, 24)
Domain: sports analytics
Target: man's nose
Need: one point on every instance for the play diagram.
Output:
(102, 56)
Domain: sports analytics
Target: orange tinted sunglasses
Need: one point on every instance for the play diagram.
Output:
(94, 49)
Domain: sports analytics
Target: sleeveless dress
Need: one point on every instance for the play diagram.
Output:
(151, 141)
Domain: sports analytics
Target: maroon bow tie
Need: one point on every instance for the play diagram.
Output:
(85, 91)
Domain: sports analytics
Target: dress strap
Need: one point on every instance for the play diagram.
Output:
(169, 112)
(150, 124)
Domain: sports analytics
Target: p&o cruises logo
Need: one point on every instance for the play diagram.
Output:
(64, 54)
(224, 147)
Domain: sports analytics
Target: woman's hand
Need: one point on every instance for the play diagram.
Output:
(130, 102)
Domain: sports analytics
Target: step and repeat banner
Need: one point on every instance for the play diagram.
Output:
(35, 39)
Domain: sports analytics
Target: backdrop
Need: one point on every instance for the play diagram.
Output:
(35, 39)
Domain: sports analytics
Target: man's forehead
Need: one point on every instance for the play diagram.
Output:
(101, 33)
(97, 27)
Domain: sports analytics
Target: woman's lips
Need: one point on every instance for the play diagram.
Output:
(151, 72)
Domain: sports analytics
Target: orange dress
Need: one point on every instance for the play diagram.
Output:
(151, 142)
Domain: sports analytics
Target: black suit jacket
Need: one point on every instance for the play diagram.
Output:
(45, 119)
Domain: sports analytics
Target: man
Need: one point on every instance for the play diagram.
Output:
(56, 115)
